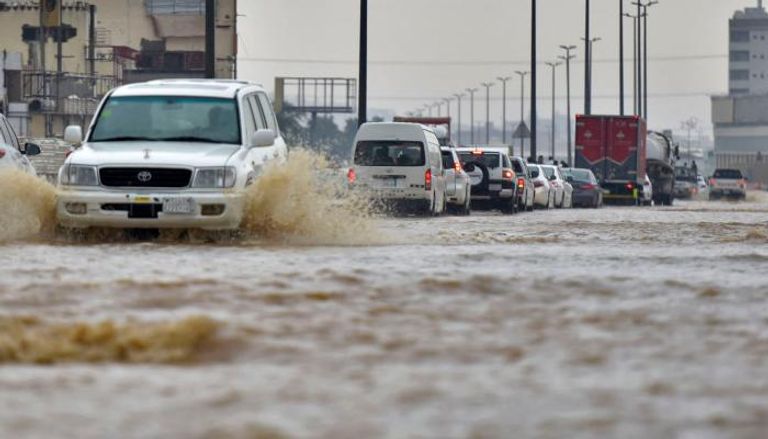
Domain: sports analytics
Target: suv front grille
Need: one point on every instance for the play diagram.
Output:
(145, 177)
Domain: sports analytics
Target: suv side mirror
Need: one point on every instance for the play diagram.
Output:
(73, 134)
(31, 149)
(262, 138)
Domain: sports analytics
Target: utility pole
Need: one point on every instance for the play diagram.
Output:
(554, 113)
(439, 106)
(448, 106)
(522, 108)
(533, 79)
(210, 39)
(639, 65)
(621, 57)
(487, 86)
(458, 97)
(503, 80)
(567, 58)
(362, 106)
(587, 67)
(472, 92)
(645, 57)
(634, 59)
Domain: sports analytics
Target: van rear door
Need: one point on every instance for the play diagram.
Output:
(390, 164)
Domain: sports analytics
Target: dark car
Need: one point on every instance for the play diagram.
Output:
(586, 190)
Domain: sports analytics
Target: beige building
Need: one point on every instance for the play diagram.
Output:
(111, 42)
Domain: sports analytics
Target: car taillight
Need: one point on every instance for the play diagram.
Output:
(588, 186)
(538, 183)
(351, 176)
(428, 180)
(712, 182)
(630, 186)
(2, 153)
(507, 174)
(457, 167)
(521, 183)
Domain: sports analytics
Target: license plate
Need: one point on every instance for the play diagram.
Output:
(388, 183)
(178, 206)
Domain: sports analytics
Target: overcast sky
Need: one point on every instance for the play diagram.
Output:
(424, 50)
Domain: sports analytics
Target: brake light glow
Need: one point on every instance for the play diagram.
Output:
(2, 153)
(507, 174)
(588, 186)
(351, 176)
(630, 186)
(428, 180)
(457, 167)
(477, 151)
(521, 183)
(538, 183)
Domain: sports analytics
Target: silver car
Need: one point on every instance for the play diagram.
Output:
(457, 182)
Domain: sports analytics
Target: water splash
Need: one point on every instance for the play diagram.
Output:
(27, 206)
(302, 201)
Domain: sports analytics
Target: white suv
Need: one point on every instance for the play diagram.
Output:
(169, 154)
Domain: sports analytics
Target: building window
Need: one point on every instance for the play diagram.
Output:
(175, 7)
(740, 55)
(739, 36)
(739, 75)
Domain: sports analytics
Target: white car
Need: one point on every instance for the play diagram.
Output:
(544, 193)
(169, 154)
(401, 165)
(457, 182)
(12, 154)
(563, 189)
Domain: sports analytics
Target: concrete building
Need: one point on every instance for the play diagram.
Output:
(741, 118)
(111, 42)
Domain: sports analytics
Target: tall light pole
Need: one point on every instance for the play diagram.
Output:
(639, 65)
(588, 62)
(522, 76)
(487, 86)
(362, 106)
(621, 57)
(439, 106)
(429, 110)
(587, 67)
(534, 116)
(459, 97)
(567, 58)
(554, 113)
(448, 106)
(472, 92)
(645, 57)
(503, 80)
(635, 56)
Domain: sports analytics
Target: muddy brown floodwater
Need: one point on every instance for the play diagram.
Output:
(611, 323)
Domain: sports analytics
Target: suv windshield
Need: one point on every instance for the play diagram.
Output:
(491, 160)
(168, 118)
(728, 174)
(389, 153)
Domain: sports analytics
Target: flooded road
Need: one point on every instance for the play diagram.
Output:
(619, 322)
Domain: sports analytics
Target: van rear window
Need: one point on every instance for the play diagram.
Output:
(389, 153)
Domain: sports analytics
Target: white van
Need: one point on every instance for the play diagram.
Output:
(401, 164)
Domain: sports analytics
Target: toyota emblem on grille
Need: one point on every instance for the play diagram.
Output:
(144, 176)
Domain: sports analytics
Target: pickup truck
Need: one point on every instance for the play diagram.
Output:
(728, 183)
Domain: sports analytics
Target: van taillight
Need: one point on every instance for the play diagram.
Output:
(428, 180)
(588, 186)
(351, 176)
(507, 174)
(521, 183)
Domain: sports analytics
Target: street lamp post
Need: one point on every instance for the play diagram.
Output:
(362, 105)
(635, 56)
(554, 114)
(487, 86)
(567, 58)
(522, 108)
(458, 97)
(472, 92)
(503, 80)
(587, 66)
(534, 116)
(621, 57)
(439, 106)
(645, 57)
(448, 106)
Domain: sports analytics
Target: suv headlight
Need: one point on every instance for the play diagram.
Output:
(78, 175)
(215, 178)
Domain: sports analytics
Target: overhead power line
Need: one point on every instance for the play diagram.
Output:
(469, 63)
